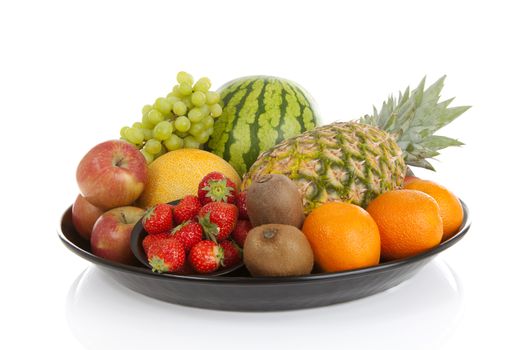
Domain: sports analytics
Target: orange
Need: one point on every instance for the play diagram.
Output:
(450, 207)
(178, 173)
(343, 236)
(408, 179)
(408, 221)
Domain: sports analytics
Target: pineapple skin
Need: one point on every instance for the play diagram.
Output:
(343, 161)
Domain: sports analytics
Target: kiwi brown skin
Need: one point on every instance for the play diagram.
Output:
(277, 250)
(274, 199)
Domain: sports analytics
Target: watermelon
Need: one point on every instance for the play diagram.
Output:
(258, 112)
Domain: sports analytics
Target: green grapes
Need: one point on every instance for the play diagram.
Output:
(202, 137)
(196, 128)
(134, 135)
(187, 102)
(205, 110)
(208, 122)
(172, 100)
(154, 117)
(173, 143)
(176, 91)
(181, 134)
(162, 130)
(163, 150)
(182, 124)
(185, 89)
(146, 124)
(146, 109)
(195, 115)
(212, 97)
(183, 119)
(123, 131)
(215, 110)
(149, 157)
(148, 134)
(179, 108)
(198, 98)
(190, 142)
(203, 85)
(163, 105)
(153, 146)
(183, 77)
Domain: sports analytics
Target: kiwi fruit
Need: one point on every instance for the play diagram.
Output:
(274, 199)
(277, 250)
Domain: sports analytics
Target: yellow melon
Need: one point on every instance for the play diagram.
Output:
(178, 173)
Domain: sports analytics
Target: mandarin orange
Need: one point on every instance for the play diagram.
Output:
(408, 221)
(450, 208)
(343, 236)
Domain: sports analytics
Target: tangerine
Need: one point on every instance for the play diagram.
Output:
(408, 221)
(450, 208)
(343, 236)
(408, 179)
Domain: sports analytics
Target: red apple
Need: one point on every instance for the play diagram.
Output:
(111, 234)
(112, 174)
(84, 216)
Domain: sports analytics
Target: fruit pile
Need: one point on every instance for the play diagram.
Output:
(182, 119)
(395, 225)
(200, 233)
(265, 184)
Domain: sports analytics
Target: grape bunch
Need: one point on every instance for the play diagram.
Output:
(182, 119)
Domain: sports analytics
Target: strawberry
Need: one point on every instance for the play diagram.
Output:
(206, 256)
(186, 209)
(241, 231)
(232, 254)
(186, 269)
(158, 219)
(150, 239)
(216, 187)
(166, 255)
(218, 220)
(240, 202)
(189, 233)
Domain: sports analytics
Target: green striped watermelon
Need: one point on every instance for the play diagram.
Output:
(258, 113)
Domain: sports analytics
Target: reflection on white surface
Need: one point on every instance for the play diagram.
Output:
(418, 314)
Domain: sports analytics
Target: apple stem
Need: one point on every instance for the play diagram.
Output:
(123, 218)
(118, 162)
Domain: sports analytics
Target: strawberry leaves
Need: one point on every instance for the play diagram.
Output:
(218, 190)
(211, 230)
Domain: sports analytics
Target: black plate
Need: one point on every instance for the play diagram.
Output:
(138, 234)
(238, 291)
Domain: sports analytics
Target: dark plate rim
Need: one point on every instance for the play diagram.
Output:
(325, 276)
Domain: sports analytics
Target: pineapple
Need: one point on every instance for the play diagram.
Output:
(358, 160)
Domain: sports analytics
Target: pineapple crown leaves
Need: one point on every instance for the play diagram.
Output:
(413, 118)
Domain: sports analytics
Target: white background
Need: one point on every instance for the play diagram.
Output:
(72, 73)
